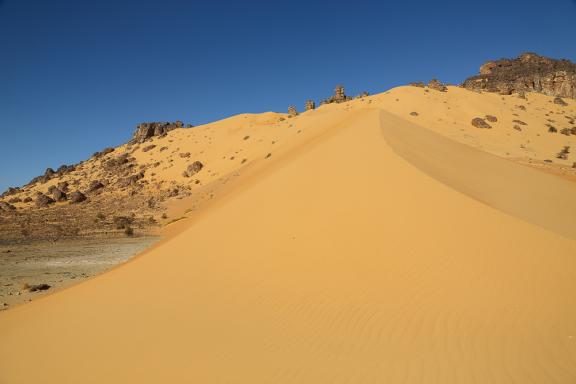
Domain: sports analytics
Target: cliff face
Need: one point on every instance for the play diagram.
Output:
(527, 73)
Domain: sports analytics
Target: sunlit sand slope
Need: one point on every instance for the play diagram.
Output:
(342, 262)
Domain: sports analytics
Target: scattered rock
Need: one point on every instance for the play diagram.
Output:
(519, 122)
(491, 118)
(77, 197)
(193, 169)
(43, 201)
(7, 207)
(59, 195)
(517, 127)
(130, 180)
(559, 101)
(185, 155)
(94, 186)
(437, 85)
(148, 148)
(102, 153)
(413, 113)
(563, 154)
(37, 287)
(479, 122)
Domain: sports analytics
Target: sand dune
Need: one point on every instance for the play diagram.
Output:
(363, 253)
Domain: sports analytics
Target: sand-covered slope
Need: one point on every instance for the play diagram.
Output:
(348, 258)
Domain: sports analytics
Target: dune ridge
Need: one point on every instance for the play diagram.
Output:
(341, 261)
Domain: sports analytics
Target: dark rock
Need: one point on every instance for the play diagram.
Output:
(130, 180)
(43, 201)
(27, 199)
(77, 197)
(437, 85)
(7, 207)
(552, 129)
(59, 195)
(10, 191)
(491, 118)
(145, 131)
(38, 287)
(117, 162)
(559, 101)
(94, 186)
(63, 186)
(519, 122)
(480, 123)
(15, 200)
(193, 168)
(102, 153)
(527, 73)
(185, 155)
(148, 148)
(413, 113)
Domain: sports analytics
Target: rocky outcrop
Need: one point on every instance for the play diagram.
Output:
(437, 85)
(338, 97)
(310, 105)
(292, 111)
(144, 131)
(527, 73)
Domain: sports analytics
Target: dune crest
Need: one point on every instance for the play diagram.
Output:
(341, 262)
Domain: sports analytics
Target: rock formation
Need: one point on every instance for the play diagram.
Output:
(292, 111)
(338, 97)
(310, 104)
(437, 85)
(144, 131)
(527, 73)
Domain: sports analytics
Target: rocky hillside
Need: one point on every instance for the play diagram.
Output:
(527, 73)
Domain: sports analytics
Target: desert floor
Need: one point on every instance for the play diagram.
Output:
(373, 247)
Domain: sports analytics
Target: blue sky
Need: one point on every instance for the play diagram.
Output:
(77, 76)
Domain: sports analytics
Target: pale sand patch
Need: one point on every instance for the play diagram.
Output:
(342, 262)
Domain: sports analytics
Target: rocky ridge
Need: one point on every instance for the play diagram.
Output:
(527, 73)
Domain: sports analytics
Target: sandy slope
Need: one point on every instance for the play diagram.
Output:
(341, 262)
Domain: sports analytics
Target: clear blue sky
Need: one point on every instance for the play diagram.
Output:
(77, 76)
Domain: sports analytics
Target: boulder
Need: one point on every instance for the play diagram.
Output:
(77, 197)
(480, 123)
(559, 101)
(193, 168)
(94, 186)
(43, 201)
